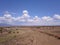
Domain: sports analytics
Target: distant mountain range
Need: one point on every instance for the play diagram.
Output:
(4, 24)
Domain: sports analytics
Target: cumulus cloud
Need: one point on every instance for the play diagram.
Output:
(36, 19)
(56, 16)
(47, 18)
(25, 14)
(20, 19)
(26, 19)
(7, 18)
(1, 19)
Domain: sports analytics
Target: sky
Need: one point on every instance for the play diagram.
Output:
(30, 12)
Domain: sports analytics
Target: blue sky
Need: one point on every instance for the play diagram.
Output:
(37, 8)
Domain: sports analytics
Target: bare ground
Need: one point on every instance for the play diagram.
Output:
(32, 37)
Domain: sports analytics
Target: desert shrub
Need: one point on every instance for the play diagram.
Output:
(13, 32)
(8, 27)
(1, 30)
(9, 31)
(16, 29)
(38, 27)
(17, 32)
(58, 37)
(31, 40)
(14, 36)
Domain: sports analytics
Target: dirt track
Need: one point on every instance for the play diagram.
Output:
(32, 37)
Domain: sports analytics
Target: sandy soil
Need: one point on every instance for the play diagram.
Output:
(32, 37)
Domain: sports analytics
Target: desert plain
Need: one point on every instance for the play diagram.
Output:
(30, 35)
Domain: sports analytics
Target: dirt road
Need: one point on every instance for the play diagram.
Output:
(33, 37)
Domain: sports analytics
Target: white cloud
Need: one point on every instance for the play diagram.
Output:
(7, 18)
(25, 17)
(20, 19)
(25, 14)
(36, 19)
(1, 19)
(47, 18)
(28, 20)
(56, 16)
